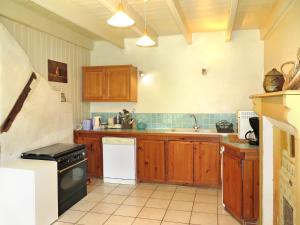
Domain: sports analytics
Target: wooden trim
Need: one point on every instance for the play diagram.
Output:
(18, 105)
(180, 19)
(277, 15)
(231, 19)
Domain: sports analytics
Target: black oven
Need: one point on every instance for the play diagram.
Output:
(71, 171)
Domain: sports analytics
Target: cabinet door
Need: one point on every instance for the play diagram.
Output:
(207, 164)
(180, 162)
(94, 84)
(94, 155)
(232, 184)
(118, 83)
(151, 160)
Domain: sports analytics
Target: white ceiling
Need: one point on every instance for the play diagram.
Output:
(200, 15)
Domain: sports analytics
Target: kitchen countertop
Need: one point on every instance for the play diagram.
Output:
(242, 146)
(186, 131)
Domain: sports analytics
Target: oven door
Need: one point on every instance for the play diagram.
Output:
(71, 185)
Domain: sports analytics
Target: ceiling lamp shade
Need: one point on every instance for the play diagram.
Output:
(145, 41)
(120, 19)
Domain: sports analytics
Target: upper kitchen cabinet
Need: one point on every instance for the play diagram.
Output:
(110, 83)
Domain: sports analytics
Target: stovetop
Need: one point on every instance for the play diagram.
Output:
(53, 151)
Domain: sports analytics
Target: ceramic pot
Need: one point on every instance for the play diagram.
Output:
(273, 81)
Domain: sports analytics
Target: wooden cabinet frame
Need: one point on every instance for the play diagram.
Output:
(110, 83)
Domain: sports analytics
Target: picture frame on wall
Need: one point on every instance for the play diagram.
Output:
(57, 71)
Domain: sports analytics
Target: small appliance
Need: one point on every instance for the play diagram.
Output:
(253, 135)
(243, 122)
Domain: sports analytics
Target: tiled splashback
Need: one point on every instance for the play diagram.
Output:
(175, 120)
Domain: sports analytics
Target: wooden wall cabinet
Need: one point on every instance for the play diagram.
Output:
(241, 183)
(110, 83)
(151, 160)
(94, 155)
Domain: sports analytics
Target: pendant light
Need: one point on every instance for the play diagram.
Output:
(145, 40)
(120, 18)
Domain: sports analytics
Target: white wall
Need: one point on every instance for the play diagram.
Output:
(284, 41)
(43, 119)
(40, 47)
(174, 82)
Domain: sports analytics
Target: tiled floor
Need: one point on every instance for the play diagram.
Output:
(147, 204)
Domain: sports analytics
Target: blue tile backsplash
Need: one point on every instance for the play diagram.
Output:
(175, 120)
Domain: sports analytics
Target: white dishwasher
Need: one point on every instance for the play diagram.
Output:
(119, 160)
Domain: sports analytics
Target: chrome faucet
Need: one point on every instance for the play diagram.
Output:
(196, 126)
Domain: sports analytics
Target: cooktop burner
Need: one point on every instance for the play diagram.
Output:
(53, 151)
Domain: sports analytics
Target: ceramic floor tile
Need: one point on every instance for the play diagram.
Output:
(207, 191)
(204, 219)
(139, 221)
(162, 195)
(206, 198)
(61, 223)
(128, 210)
(71, 216)
(177, 216)
(106, 184)
(227, 220)
(104, 189)
(222, 210)
(131, 186)
(146, 186)
(183, 197)
(121, 191)
(158, 203)
(172, 223)
(119, 220)
(142, 193)
(96, 182)
(205, 207)
(137, 201)
(105, 208)
(152, 213)
(114, 199)
(93, 219)
(94, 197)
(84, 205)
(166, 187)
(181, 205)
(184, 189)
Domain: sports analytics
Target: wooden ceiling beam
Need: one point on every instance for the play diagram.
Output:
(231, 19)
(139, 25)
(277, 14)
(180, 19)
(76, 15)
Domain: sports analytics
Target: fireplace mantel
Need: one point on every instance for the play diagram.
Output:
(278, 110)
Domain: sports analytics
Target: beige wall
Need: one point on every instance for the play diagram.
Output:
(40, 47)
(174, 82)
(284, 41)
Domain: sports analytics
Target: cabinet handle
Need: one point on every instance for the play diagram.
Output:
(146, 162)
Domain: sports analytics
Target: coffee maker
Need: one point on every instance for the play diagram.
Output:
(253, 135)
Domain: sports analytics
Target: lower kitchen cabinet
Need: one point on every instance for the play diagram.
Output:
(94, 155)
(180, 162)
(241, 183)
(207, 164)
(151, 160)
(232, 184)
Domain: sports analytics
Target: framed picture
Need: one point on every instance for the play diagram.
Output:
(57, 71)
